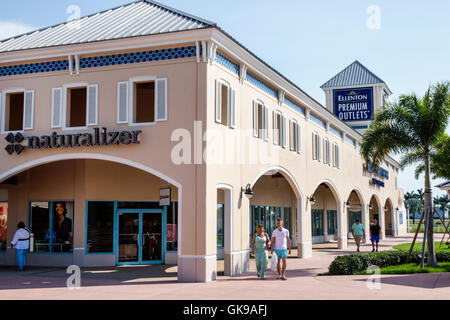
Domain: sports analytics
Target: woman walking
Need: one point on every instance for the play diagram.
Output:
(260, 243)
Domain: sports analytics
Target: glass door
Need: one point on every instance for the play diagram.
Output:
(128, 237)
(140, 237)
(152, 237)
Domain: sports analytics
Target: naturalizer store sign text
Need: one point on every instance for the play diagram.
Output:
(99, 137)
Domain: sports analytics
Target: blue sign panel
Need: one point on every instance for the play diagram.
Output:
(353, 104)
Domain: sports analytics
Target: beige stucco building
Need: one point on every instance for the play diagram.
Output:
(101, 117)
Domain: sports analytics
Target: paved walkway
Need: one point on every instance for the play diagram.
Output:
(159, 283)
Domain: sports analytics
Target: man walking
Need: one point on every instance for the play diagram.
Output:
(280, 244)
(358, 233)
(375, 233)
(21, 241)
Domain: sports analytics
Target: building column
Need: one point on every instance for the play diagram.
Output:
(381, 215)
(304, 244)
(366, 222)
(342, 226)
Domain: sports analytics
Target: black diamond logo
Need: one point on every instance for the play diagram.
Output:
(10, 149)
(14, 143)
(10, 138)
(18, 148)
(19, 138)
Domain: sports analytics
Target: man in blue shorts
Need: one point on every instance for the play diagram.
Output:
(375, 233)
(281, 244)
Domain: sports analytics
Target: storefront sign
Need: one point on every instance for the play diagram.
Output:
(164, 197)
(353, 104)
(171, 233)
(377, 182)
(98, 137)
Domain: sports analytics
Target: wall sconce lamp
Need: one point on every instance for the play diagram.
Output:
(370, 206)
(348, 204)
(386, 209)
(248, 191)
(312, 199)
(397, 209)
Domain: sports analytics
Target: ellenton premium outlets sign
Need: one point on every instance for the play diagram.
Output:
(353, 104)
(99, 137)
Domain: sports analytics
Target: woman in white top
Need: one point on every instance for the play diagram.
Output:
(21, 241)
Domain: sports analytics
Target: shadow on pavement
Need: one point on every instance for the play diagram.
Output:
(424, 280)
(40, 278)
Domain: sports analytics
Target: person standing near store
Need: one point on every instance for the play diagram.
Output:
(358, 233)
(375, 233)
(281, 244)
(21, 242)
(260, 243)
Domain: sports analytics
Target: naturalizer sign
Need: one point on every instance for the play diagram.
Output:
(99, 137)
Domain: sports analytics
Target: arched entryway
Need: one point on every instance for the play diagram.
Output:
(326, 217)
(96, 211)
(277, 195)
(356, 211)
(375, 212)
(389, 218)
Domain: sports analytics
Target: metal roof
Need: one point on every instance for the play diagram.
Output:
(354, 75)
(135, 19)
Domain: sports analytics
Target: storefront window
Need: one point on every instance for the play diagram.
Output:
(317, 222)
(332, 222)
(3, 225)
(100, 231)
(52, 226)
(352, 217)
(220, 225)
(267, 216)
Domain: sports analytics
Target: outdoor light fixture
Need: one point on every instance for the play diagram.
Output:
(370, 206)
(248, 191)
(312, 199)
(348, 204)
(386, 209)
(397, 209)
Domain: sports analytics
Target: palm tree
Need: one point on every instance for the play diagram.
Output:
(440, 159)
(410, 125)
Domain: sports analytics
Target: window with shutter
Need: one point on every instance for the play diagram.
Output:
(233, 109)
(57, 102)
(260, 120)
(161, 100)
(283, 132)
(122, 102)
(218, 102)
(255, 119)
(225, 100)
(28, 110)
(266, 124)
(17, 110)
(92, 105)
(75, 107)
(291, 135)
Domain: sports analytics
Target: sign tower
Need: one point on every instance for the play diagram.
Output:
(355, 94)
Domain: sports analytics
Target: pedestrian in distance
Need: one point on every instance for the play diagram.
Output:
(358, 233)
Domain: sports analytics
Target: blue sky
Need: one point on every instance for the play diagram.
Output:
(307, 41)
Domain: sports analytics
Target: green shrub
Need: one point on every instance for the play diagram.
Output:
(350, 264)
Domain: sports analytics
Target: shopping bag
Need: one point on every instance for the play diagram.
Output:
(274, 263)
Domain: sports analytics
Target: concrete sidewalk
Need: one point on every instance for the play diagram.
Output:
(160, 283)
